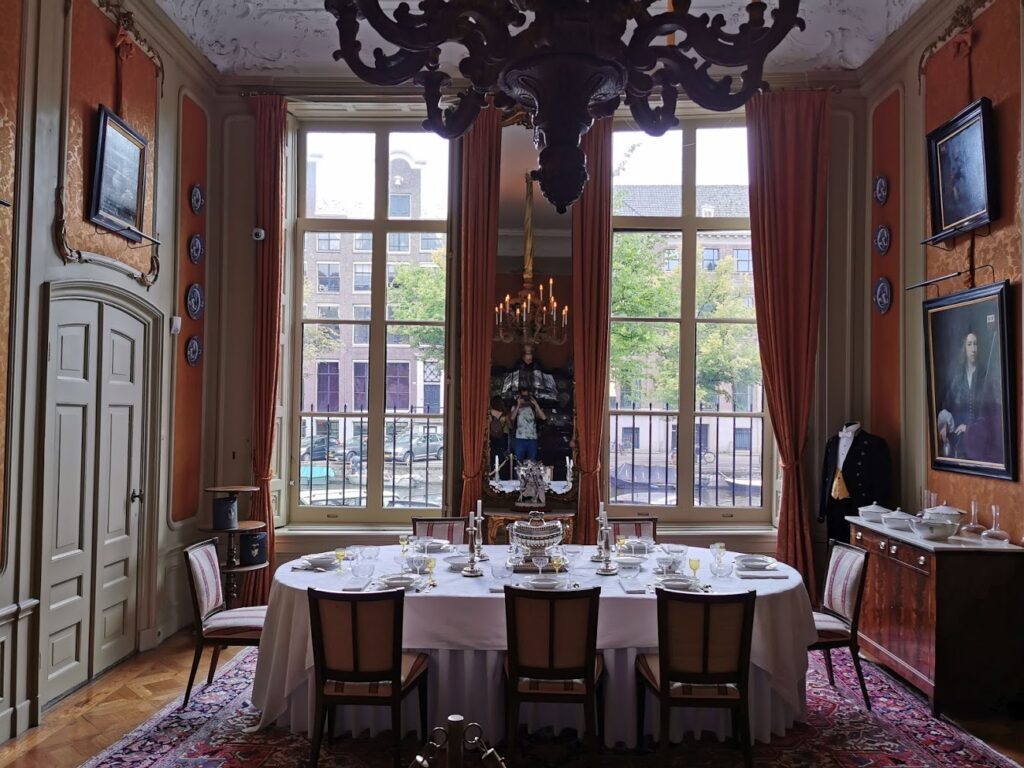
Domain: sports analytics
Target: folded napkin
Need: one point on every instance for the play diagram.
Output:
(356, 586)
(762, 575)
(633, 588)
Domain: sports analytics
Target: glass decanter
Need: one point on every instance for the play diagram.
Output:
(973, 528)
(995, 533)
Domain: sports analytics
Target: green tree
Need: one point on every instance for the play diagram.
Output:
(415, 295)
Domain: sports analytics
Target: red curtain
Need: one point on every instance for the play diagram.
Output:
(787, 139)
(271, 126)
(591, 271)
(478, 245)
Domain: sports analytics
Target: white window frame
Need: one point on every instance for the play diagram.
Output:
(320, 311)
(374, 419)
(355, 240)
(359, 322)
(329, 236)
(400, 194)
(690, 225)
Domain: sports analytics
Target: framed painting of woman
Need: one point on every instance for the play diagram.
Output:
(970, 382)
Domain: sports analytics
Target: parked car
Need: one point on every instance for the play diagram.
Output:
(429, 446)
(319, 447)
(641, 477)
(355, 447)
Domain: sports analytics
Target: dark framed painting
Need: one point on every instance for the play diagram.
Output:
(962, 172)
(971, 382)
(119, 178)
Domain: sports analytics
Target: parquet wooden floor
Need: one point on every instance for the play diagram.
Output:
(97, 715)
(100, 713)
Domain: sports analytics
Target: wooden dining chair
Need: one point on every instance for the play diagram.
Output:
(358, 659)
(703, 660)
(217, 626)
(452, 529)
(552, 654)
(634, 527)
(839, 617)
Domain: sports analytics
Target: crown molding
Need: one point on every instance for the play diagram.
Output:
(925, 27)
(165, 35)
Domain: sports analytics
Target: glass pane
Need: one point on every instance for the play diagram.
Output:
(418, 184)
(414, 457)
(722, 186)
(331, 277)
(646, 274)
(728, 368)
(727, 461)
(644, 365)
(340, 175)
(329, 383)
(725, 278)
(647, 173)
(416, 283)
(642, 455)
(332, 461)
(415, 369)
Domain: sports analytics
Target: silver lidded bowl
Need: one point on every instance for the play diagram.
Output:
(537, 534)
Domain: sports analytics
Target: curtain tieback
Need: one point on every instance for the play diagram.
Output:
(260, 479)
(587, 472)
(471, 475)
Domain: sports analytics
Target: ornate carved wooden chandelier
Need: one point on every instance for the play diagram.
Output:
(566, 63)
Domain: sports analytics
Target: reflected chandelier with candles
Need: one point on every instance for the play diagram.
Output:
(531, 317)
(566, 62)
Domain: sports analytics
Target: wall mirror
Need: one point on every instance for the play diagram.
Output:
(531, 416)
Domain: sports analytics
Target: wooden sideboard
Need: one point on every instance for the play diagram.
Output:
(946, 617)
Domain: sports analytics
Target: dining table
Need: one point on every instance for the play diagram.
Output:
(460, 624)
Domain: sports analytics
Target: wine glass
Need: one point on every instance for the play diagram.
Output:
(370, 553)
(501, 570)
(718, 550)
(430, 565)
(676, 550)
(540, 561)
(694, 565)
(403, 541)
(620, 542)
(557, 556)
(339, 555)
(572, 553)
(354, 552)
(629, 571)
(363, 570)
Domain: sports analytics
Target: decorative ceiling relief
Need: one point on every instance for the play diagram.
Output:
(298, 37)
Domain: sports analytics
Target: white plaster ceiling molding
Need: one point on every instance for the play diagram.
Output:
(298, 37)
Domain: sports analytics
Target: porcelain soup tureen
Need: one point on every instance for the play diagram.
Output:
(537, 534)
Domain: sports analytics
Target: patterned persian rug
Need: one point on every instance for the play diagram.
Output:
(839, 733)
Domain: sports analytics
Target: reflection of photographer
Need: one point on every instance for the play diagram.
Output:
(525, 414)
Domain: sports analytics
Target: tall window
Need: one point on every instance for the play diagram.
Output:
(744, 261)
(684, 367)
(373, 193)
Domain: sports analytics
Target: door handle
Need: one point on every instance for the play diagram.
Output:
(138, 495)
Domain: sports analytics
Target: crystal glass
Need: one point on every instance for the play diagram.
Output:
(572, 553)
(339, 555)
(417, 563)
(718, 550)
(676, 550)
(629, 571)
(620, 542)
(636, 547)
(721, 568)
(973, 528)
(511, 544)
(402, 563)
(995, 533)
(501, 570)
(363, 569)
(557, 555)
(403, 542)
(540, 561)
(694, 565)
(354, 552)
(430, 565)
(370, 553)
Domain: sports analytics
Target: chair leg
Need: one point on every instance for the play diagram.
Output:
(332, 711)
(590, 722)
(318, 732)
(746, 741)
(423, 706)
(512, 706)
(664, 737)
(641, 703)
(396, 730)
(828, 666)
(855, 655)
(192, 674)
(600, 712)
(213, 664)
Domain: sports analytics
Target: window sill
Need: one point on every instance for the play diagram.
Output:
(301, 539)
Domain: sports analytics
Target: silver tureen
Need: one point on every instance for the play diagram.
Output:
(536, 534)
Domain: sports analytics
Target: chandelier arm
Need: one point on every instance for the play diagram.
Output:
(454, 121)
(442, 21)
(705, 90)
(387, 69)
(706, 36)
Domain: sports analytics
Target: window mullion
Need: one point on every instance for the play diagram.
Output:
(378, 327)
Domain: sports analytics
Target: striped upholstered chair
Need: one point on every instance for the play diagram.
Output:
(634, 527)
(358, 659)
(703, 660)
(839, 616)
(552, 654)
(216, 625)
(452, 529)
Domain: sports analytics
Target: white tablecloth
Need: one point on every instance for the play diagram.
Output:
(461, 625)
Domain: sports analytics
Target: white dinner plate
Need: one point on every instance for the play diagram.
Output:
(629, 559)
(755, 562)
(399, 580)
(677, 584)
(434, 545)
(457, 562)
(542, 582)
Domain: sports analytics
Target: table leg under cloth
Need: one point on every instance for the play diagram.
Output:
(471, 683)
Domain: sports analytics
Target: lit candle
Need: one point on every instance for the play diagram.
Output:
(506, 302)
(497, 316)
(542, 293)
(543, 315)
(565, 316)
(517, 314)
(551, 287)
(501, 314)
(528, 297)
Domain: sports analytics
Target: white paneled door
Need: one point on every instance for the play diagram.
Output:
(92, 493)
